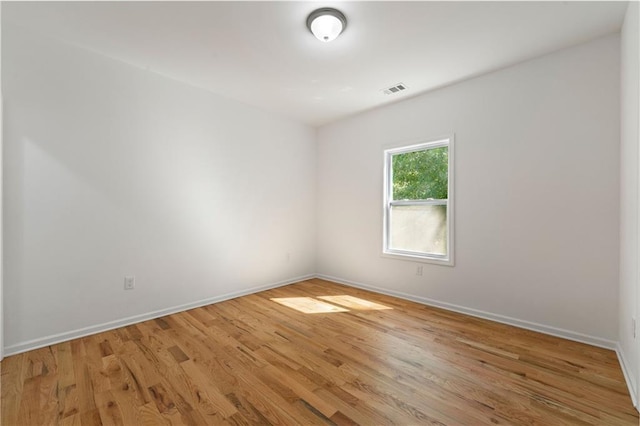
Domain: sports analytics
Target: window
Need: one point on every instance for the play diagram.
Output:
(418, 208)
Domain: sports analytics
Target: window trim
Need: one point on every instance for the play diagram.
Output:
(387, 203)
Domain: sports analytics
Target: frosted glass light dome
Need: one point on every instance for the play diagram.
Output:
(326, 24)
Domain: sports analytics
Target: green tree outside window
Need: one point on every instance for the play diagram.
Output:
(421, 175)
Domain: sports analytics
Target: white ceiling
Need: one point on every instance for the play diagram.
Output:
(261, 53)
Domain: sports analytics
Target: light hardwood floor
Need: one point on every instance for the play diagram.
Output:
(254, 360)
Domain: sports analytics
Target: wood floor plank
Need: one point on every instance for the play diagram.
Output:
(73, 420)
(12, 371)
(376, 360)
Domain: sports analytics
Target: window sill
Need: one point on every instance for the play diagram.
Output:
(418, 258)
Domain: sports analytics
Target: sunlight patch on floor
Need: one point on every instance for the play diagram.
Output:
(308, 305)
(354, 302)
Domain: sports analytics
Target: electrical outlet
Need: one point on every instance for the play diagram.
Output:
(419, 270)
(129, 282)
(288, 256)
(633, 326)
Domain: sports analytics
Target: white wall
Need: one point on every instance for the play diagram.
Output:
(1, 185)
(629, 214)
(112, 170)
(537, 194)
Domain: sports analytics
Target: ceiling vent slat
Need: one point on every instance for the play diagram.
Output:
(394, 89)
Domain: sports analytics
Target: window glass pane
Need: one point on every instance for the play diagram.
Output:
(421, 175)
(419, 229)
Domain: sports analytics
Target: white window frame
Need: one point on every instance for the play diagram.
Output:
(388, 202)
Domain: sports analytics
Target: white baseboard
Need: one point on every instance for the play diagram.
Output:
(553, 331)
(98, 328)
(631, 383)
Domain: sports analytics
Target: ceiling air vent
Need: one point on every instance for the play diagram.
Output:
(394, 89)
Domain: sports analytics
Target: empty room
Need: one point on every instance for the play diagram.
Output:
(299, 213)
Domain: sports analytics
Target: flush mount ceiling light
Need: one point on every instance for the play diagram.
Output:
(326, 24)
